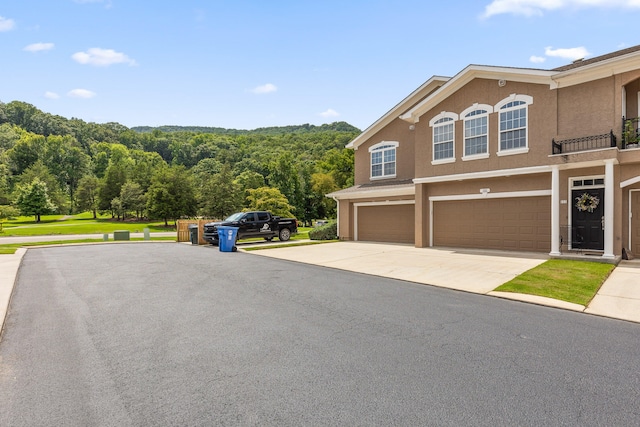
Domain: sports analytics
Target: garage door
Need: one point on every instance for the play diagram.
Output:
(522, 224)
(389, 223)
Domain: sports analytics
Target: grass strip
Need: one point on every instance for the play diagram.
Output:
(566, 280)
(10, 248)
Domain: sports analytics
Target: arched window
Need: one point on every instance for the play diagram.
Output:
(383, 159)
(476, 131)
(443, 129)
(513, 123)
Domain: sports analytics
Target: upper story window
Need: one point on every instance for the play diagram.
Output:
(476, 131)
(513, 124)
(443, 126)
(383, 159)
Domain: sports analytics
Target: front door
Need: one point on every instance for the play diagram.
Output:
(587, 219)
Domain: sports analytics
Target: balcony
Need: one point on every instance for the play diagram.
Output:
(630, 133)
(586, 143)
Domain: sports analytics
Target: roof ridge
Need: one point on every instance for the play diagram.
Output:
(581, 63)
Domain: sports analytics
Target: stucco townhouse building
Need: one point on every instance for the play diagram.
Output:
(505, 158)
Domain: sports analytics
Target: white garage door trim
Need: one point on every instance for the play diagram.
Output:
(631, 218)
(363, 204)
(485, 193)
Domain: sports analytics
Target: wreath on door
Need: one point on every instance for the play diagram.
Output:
(587, 202)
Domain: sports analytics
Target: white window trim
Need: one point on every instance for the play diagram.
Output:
(474, 107)
(432, 123)
(373, 148)
(528, 100)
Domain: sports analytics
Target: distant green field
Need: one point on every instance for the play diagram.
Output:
(76, 224)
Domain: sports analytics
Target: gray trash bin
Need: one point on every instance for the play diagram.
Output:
(193, 233)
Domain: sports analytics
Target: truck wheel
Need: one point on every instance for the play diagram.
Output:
(284, 235)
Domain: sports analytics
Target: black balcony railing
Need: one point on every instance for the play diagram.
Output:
(583, 144)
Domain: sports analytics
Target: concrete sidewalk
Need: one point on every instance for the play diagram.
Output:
(466, 270)
(9, 265)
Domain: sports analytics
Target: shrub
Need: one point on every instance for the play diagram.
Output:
(325, 232)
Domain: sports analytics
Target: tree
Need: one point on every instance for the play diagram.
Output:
(7, 211)
(41, 172)
(111, 185)
(322, 184)
(67, 162)
(220, 195)
(284, 176)
(88, 194)
(34, 200)
(249, 180)
(339, 163)
(270, 199)
(171, 194)
(28, 150)
(132, 198)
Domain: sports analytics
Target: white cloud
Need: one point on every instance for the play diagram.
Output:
(329, 113)
(537, 59)
(102, 57)
(538, 7)
(51, 95)
(38, 47)
(571, 53)
(6, 24)
(81, 93)
(267, 88)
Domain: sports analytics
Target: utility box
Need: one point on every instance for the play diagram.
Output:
(121, 235)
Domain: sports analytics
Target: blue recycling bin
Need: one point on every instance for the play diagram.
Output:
(227, 238)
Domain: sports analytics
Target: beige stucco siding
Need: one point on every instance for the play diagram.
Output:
(541, 128)
(587, 109)
(399, 131)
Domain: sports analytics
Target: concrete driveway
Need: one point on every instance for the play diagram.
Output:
(463, 270)
(466, 270)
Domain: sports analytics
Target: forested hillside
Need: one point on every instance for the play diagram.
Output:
(51, 164)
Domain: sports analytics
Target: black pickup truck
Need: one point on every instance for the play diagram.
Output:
(254, 224)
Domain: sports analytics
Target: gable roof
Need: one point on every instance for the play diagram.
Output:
(528, 75)
(584, 62)
(436, 89)
(431, 85)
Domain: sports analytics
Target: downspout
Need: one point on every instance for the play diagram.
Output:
(337, 216)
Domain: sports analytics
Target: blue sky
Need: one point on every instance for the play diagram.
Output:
(246, 64)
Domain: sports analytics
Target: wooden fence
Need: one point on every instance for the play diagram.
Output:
(183, 229)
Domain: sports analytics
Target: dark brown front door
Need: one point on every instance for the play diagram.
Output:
(587, 219)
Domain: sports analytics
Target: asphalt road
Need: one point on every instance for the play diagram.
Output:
(170, 334)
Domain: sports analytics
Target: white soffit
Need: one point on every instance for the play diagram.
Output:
(369, 192)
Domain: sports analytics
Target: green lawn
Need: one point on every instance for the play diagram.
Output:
(11, 248)
(572, 281)
(76, 224)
